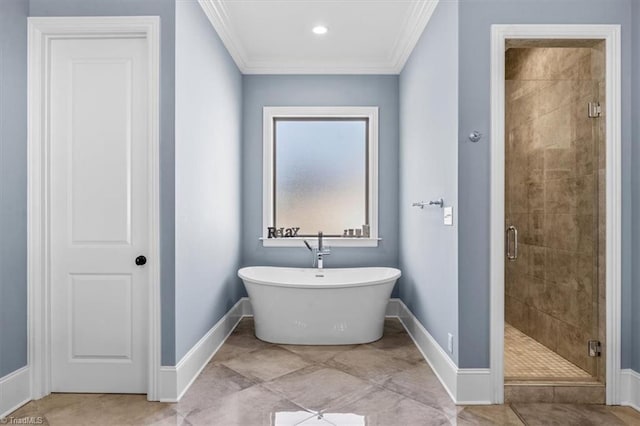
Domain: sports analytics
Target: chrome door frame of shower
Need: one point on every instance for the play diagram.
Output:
(610, 34)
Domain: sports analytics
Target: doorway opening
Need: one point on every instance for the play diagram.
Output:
(93, 202)
(555, 221)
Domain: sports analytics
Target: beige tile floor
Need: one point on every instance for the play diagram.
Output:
(250, 382)
(525, 358)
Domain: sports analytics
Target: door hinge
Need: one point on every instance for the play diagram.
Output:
(594, 110)
(594, 348)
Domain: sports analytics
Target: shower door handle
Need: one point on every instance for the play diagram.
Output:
(512, 230)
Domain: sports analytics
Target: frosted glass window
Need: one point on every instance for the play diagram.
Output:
(320, 174)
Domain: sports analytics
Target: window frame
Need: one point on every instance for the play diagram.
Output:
(270, 115)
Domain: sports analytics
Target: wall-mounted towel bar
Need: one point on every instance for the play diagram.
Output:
(422, 204)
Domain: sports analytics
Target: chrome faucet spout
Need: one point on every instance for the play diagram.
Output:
(320, 252)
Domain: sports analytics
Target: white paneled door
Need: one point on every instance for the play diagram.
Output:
(98, 130)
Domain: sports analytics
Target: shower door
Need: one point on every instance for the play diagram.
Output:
(554, 211)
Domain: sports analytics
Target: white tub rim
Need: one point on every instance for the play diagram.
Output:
(395, 274)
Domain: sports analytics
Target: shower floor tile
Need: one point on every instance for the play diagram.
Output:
(525, 358)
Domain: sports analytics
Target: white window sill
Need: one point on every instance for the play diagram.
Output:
(328, 242)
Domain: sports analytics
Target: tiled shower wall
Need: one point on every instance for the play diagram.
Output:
(554, 169)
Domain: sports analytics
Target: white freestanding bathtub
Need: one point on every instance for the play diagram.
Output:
(304, 306)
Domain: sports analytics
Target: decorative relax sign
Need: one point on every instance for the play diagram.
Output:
(273, 232)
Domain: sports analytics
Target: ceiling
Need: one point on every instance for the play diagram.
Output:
(275, 37)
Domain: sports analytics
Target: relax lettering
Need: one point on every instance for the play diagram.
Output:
(273, 232)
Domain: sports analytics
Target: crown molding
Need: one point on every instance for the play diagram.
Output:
(416, 22)
(217, 14)
(336, 67)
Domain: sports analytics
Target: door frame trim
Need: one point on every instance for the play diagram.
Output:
(611, 35)
(41, 31)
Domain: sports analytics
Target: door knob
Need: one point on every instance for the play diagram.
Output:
(141, 260)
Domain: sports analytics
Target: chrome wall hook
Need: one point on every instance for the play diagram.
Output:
(475, 136)
(438, 202)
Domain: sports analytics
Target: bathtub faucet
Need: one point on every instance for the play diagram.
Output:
(320, 252)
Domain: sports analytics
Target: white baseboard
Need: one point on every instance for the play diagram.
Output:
(393, 308)
(247, 309)
(468, 386)
(14, 391)
(465, 386)
(444, 368)
(474, 386)
(630, 388)
(173, 382)
(167, 384)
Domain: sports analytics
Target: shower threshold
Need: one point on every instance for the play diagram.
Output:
(534, 373)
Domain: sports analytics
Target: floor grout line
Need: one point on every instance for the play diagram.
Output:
(515, 410)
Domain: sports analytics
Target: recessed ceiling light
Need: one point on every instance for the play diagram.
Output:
(319, 29)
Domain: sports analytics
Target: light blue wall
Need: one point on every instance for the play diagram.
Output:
(428, 170)
(633, 333)
(166, 10)
(320, 90)
(476, 17)
(13, 185)
(208, 142)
